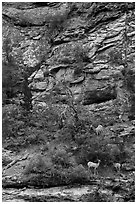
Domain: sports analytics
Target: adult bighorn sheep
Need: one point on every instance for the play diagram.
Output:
(117, 166)
(99, 129)
(93, 165)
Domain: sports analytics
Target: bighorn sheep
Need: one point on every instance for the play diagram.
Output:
(93, 165)
(99, 129)
(117, 166)
(120, 117)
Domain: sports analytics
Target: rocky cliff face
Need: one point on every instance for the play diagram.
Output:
(86, 44)
(75, 62)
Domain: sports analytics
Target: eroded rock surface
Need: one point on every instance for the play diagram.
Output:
(96, 28)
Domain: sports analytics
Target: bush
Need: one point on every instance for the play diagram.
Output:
(10, 82)
(10, 73)
(45, 117)
(57, 168)
(57, 23)
(115, 57)
(47, 179)
(37, 165)
(35, 127)
(80, 53)
(57, 176)
(61, 158)
(81, 56)
(79, 175)
(11, 121)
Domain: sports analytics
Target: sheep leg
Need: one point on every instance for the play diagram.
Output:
(94, 171)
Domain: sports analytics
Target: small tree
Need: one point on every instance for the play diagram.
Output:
(11, 79)
(56, 24)
(69, 100)
(27, 95)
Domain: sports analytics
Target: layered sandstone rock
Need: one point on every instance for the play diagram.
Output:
(91, 38)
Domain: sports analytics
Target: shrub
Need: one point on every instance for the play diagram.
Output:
(115, 57)
(79, 174)
(37, 165)
(40, 173)
(10, 81)
(61, 158)
(80, 55)
(75, 174)
(57, 23)
(58, 167)
(45, 117)
(10, 73)
(11, 120)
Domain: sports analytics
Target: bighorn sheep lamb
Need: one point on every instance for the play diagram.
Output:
(117, 166)
(93, 165)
